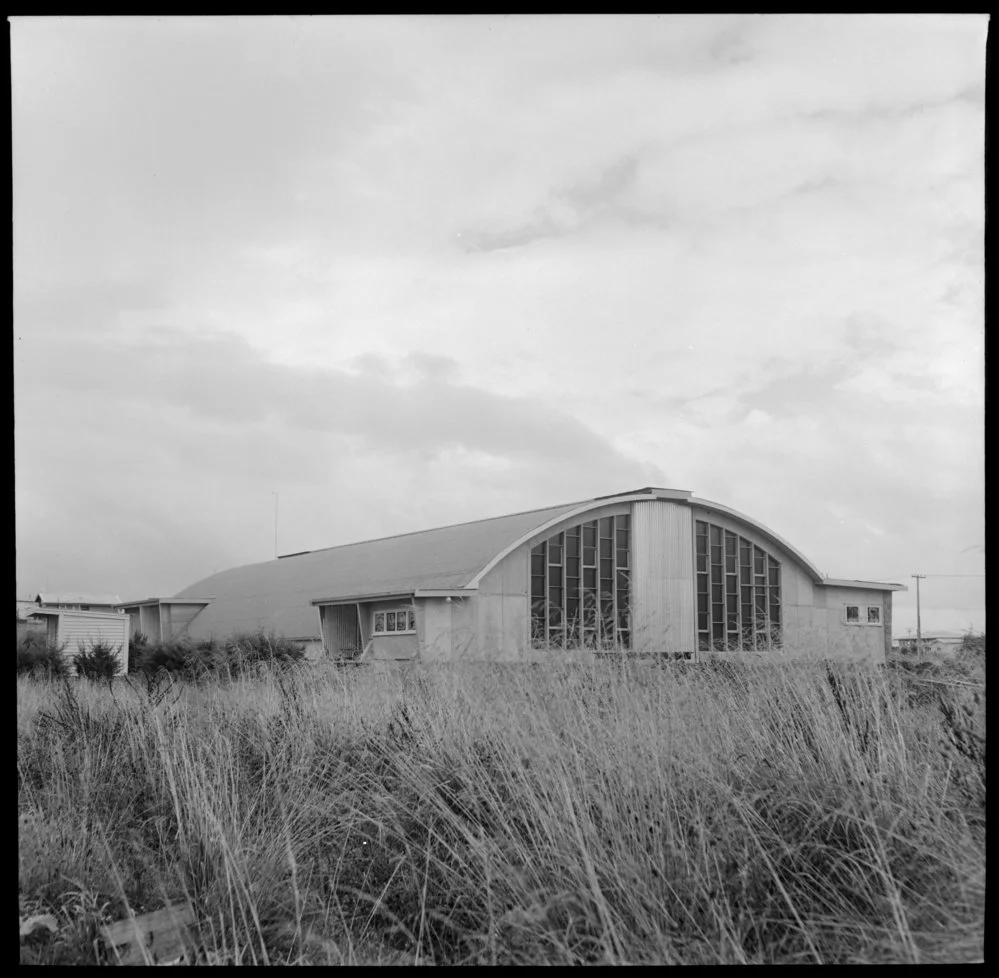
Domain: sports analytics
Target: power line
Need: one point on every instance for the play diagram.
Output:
(930, 575)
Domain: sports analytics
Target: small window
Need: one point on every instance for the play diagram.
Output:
(873, 616)
(401, 620)
(852, 613)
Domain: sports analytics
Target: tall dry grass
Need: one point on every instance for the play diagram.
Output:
(522, 814)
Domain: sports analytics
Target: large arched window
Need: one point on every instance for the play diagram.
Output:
(581, 587)
(738, 592)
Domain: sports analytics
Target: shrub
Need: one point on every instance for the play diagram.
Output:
(98, 662)
(174, 656)
(37, 656)
(238, 655)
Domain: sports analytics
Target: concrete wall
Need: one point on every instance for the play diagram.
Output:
(662, 560)
(175, 618)
(849, 640)
(433, 624)
(149, 622)
(387, 645)
(499, 619)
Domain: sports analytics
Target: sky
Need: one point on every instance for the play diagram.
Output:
(325, 279)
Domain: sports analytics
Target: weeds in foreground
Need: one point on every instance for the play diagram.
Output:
(482, 814)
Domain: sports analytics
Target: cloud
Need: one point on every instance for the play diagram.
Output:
(179, 439)
(409, 270)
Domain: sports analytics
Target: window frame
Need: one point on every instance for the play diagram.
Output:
(738, 590)
(410, 617)
(865, 619)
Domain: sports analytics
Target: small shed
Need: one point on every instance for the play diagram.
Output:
(72, 629)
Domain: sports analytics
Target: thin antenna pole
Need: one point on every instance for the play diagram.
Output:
(276, 498)
(919, 626)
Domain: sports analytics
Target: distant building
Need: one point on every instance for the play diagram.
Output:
(934, 643)
(653, 571)
(79, 600)
(26, 625)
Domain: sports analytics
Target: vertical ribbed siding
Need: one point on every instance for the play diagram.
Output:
(663, 555)
(74, 630)
(341, 633)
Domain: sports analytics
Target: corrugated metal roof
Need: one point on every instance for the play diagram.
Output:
(64, 612)
(863, 585)
(78, 597)
(276, 595)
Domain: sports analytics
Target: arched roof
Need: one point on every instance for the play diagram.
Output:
(277, 595)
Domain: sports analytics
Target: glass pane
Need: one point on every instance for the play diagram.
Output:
(606, 567)
(703, 643)
(622, 557)
(537, 587)
(589, 577)
(572, 587)
(702, 605)
(874, 616)
(853, 613)
(554, 553)
(379, 621)
(716, 535)
(731, 543)
(606, 528)
(412, 620)
(732, 604)
(702, 562)
(622, 538)
(539, 548)
(716, 593)
(702, 622)
(624, 637)
(537, 563)
(716, 555)
(572, 608)
(572, 545)
(589, 556)
(555, 597)
(622, 580)
(589, 534)
(730, 565)
(390, 621)
(718, 630)
(623, 522)
(774, 574)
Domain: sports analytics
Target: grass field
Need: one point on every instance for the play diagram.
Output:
(620, 813)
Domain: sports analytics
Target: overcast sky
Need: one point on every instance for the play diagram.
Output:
(409, 271)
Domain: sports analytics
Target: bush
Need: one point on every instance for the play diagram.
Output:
(238, 655)
(175, 656)
(37, 656)
(99, 662)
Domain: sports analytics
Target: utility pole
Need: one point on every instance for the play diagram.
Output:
(276, 497)
(919, 627)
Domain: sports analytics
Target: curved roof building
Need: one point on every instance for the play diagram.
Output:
(649, 571)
